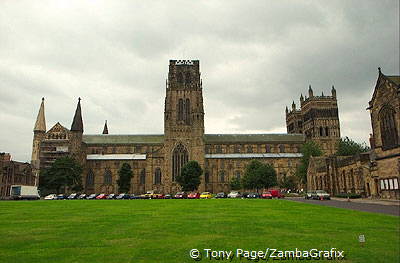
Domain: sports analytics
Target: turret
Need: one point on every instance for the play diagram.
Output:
(77, 132)
(301, 98)
(105, 129)
(293, 106)
(287, 110)
(39, 133)
(310, 92)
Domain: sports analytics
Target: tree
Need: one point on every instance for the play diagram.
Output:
(125, 176)
(189, 179)
(259, 175)
(64, 174)
(288, 182)
(308, 149)
(235, 184)
(348, 147)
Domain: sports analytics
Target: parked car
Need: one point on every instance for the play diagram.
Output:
(245, 195)
(123, 196)
(309, 194)
(205, 195)
(321, 195)
(221, 195)
(167, 196)
(50, 197)
(152, 195)
(133, 196)
(181, 195)
(111, 196)
(73, 196)
(253, 195)
(82, 196)
(266, 195)
(194, 195)
(234, 194)
(101, 196)
(61, 197)
(276, 194)
(92, 196)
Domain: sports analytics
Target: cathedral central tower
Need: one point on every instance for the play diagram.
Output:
(183, 117)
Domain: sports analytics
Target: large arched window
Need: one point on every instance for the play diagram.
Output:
(142, 177)
(179, 159)
(188, 78)
(90, 178)
(180, 110)
(187, 112)
(389, 135)
(222, 176)
(107, 177)
(180, 77)
(157, 176)
(207, 177)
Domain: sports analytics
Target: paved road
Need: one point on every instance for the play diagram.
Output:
(374, 208)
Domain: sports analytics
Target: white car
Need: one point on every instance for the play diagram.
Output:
(50, 197)
(234, 194)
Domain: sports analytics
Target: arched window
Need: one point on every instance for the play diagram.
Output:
(326, 131)
(389, 134)
(238, 175)
(180, 77)
(281, 148)
(267, 148)
(188, 78)
(222, 176)
(321, 131)
(187, 112)
(249, 148)
(207, 177)
(107, 177)
(142, 177)
(157, 176)
(90, 178)
(180, 110)
(179, 159)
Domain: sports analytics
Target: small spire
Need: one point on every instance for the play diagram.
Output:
(293, 106)
(40, 124)
(105, 129)
(287, 110)
(322, 94)
(77, 123)
(379, 70)
(301, 98)
(310, 92)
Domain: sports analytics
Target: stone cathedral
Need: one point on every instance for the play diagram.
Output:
(157, 159)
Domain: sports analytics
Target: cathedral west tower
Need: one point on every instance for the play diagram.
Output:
(183, 118)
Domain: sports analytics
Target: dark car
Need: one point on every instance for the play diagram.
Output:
(92, 196)
(82, 196)
(133, 196)
(61, 197)
(123, 196)
(181, 195)
(221, 195)
(73, 196)
(253, 195)
(111, 196)
(245, 195)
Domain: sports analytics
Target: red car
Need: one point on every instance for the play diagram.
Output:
(101, 196)
(276, 194)
(194, 196)
(266, 195)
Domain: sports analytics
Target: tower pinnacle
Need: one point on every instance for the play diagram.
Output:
(40, 125)
(77, 123)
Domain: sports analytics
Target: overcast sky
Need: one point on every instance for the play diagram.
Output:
(256, 57)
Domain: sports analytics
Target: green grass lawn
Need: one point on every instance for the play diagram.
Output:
(166, 230)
